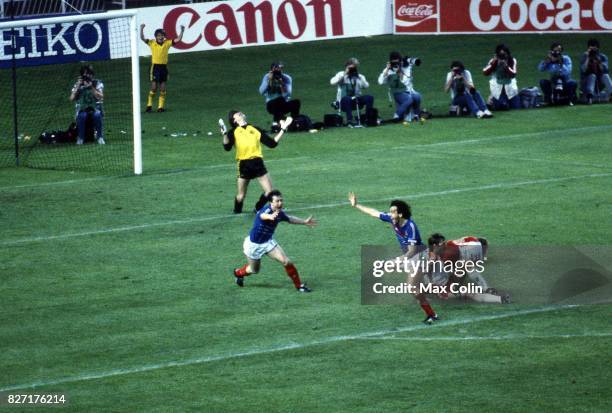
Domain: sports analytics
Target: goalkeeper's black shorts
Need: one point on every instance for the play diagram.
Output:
(251, 168)
(159, 73)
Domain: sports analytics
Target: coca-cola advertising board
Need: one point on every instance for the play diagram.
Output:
(494, 16)
(416, 16)
(238, 23)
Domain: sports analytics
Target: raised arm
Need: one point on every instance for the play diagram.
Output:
(366, 210)
(490, 67)
(382, 78)
(449, 81)
(142, 36)
(364, 83)
(180, 36)
(265, 83)
(338, 78)
(273, 142)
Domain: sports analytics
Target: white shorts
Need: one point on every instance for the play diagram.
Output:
(255, 251)
(471, 251)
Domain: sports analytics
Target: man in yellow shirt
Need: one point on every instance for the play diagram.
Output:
(248, 140)
(159, 64)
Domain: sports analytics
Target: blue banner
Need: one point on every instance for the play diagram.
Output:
(47, 44)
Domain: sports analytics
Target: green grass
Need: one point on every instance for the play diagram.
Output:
(118, 288)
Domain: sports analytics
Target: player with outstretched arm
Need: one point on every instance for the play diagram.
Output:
(407, 233)
(248, 139)
(260, 241)
(159, 64)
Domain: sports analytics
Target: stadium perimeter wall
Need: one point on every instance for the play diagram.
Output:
(243, 23)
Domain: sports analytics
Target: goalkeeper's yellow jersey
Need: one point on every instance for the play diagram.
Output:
(159, 52)
(248, 142)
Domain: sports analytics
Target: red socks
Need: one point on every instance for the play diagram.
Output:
(425, 305)
(242, 272)
(292, 272)
(428, 310)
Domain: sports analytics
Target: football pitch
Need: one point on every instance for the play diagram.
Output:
(117, 290)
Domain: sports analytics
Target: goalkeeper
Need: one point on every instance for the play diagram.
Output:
(248, 139)
(159, 65)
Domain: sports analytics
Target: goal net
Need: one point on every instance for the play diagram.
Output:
(70, 93)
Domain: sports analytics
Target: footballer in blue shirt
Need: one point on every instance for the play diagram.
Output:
(400, 218)
(407, 233)
(260, 241)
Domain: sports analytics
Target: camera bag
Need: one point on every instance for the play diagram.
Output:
(531, 97)
(371, 117)
(301, 123)
(332, 120)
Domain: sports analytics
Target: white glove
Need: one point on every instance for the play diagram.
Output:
(222, 126)
(284, 124)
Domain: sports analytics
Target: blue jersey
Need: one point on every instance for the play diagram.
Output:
(263, 230)
(407, 235)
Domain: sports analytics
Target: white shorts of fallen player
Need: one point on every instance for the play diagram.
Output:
(255, 251)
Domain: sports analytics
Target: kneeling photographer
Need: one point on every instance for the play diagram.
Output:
(350, 84)
(561, 88)
(397, 75)
(594, 72)
(88, 95)
(277, 87)
(463, 93)
(502, 69)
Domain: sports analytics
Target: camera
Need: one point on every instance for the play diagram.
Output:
(352, 71)
(592, 53)
(411, 61)
(277, 74)
(555, 53)
(397, 61)
(459, 86)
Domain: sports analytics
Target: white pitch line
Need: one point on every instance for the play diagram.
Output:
(566, 132)
(492, 338)
(309, 207)
(276, 349)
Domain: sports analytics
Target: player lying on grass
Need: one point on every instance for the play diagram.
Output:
(260, 242)
(407, 233)
(465, 249)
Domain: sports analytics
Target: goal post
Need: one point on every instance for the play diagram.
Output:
(50, 51)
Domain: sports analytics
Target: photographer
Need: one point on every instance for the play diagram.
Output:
(504, 89)
(594, 71)
(463, 93)
(350, 83)
(88, 94)
(398, 76)
(561, 87)
(276, 87)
